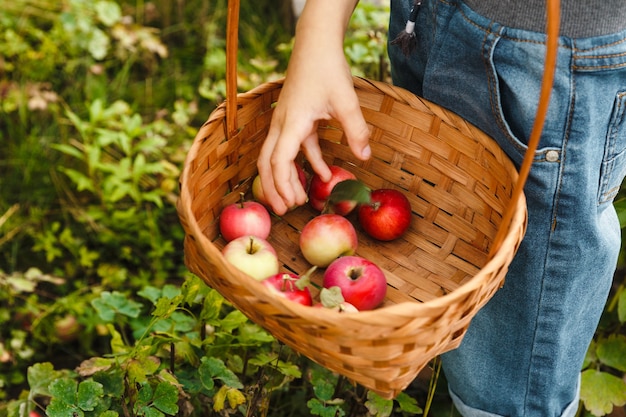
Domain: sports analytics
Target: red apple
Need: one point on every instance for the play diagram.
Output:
(245, 218)
(361, 281)
(257, 188)
(291, 287)
(319, 191)
(327, 237)
(387, 216)
(252, 255)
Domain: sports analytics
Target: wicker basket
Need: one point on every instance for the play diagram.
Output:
(468, 221)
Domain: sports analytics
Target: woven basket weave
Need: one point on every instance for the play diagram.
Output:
(440, 273)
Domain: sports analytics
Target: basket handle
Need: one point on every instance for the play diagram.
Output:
(552, 31)
(553, 18)
(232, 46)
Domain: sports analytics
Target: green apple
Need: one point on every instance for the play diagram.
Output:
(252, 255)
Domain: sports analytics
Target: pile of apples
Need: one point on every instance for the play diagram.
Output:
(329, 240)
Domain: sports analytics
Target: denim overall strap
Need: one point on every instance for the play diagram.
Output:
(523, 352)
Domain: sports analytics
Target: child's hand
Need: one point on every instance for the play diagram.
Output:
(318, 87)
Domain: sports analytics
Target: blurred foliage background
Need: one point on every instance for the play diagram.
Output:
(99, 102)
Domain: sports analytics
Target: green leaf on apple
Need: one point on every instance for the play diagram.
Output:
(350, 190)
(331, 297)
(305, 279)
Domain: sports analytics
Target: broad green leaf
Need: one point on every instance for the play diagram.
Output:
(89, 394)
(287, 369)
(64, 389)
(206, 378)
(59, 408)
(112, 382)
(263, 358)
(212, 307)
(171, 291)
(150, 293)
(153, 197)
(601, 391)
(79, 179)
(166, 306)
(183, 322)
(111, 303)
(98, 44)
(138, 369)
(408, 404)
(39, 377)
(318, 408)
(76, 121)
(68, 150)
(153, 412)
(323, 384)
(166, 398)
(377, 405)
(108, 12)
(254, 334)
(190, 290)
(233, 320)
(144, 396)
(612, 351)
(96, 111)
(215, 368)
(139, 165)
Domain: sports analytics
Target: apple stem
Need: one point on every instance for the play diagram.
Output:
(251, 247)
(355, 273)
(286, 278)
(241, 199)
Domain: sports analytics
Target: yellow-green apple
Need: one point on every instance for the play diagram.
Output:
(362, 282)
(387, 216)
(253, 255)
(245, 218)
(326, 237)
(319, 191)
(257, 188)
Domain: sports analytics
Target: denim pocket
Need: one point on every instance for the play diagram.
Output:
(515, 75)
(613, 168)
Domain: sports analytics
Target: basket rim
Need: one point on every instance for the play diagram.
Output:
(405, 308)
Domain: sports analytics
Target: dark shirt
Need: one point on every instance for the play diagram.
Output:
(579, 18)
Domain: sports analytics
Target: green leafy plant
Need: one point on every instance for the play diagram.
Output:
(99, 102)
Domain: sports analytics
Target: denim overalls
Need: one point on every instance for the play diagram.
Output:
(524, 350)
